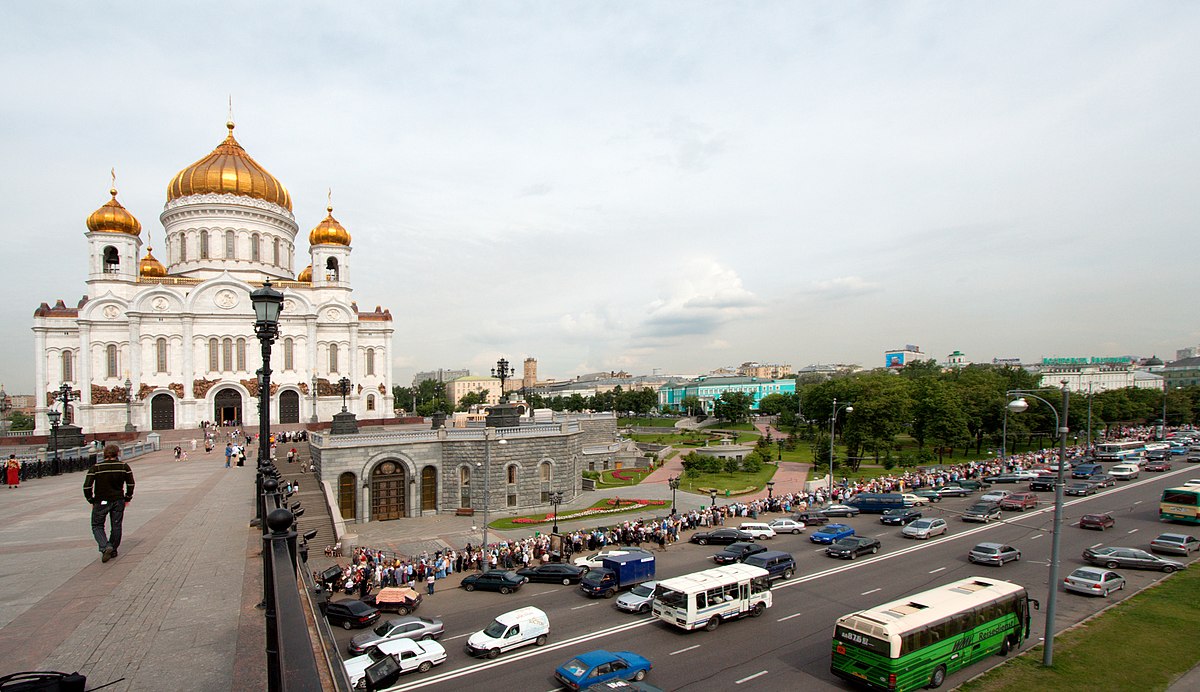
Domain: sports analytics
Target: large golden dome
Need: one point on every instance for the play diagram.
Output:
(229, 170)
(329, 232)
(113, 218)
(305, 275)
(150, 267)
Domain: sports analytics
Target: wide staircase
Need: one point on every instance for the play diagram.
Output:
(316, 512)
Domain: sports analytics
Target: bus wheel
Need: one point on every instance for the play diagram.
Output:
(939, 676)
(712, 624)
(1006, 646)
(757, 610)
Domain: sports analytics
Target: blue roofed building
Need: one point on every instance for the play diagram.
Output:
(709, 390)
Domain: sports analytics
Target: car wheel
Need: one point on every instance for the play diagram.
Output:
(853, 554)
(971, 558)
(1106, 592)
(938, 677)
(610, 593)
(1168, 569)
(424, 667)
(566, 581)
(469, 587)
(757, 610)
(541, 640)
(492, 653)
(504, 589)
(1110, 564)
(1006, 646)
(874, 549)
(639, 676)
(426, 637)
(712, 624)
(644, 608)
(787, 574)
(346, 624)
(702, 541)
(402, 611)
(795, 531)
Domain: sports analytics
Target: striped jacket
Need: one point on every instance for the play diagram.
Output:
(104, 481)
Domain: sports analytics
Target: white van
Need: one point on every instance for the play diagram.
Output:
(509, 631)
(760, 530)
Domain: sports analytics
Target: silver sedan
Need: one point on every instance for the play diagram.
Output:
(1093, 581)
(407, 627)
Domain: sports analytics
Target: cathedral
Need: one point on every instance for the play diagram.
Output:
(160, 344)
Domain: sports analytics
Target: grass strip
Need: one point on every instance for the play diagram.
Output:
(542, 520)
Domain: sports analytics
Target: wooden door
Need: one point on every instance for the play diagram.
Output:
(387, 491)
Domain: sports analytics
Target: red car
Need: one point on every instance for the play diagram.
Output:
(1097, 521)
(1157, 466)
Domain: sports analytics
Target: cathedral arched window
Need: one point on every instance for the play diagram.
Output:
(110, 361)
(230, 245)
(68, 370)
(370, 361)
(203, 245)
(227, 355)
(370, 402)
(160, 355)
(255, 247)
(289, 354)
(241, 355)
(277, 252)
(333, 358)
(214, 362)
(182, 242)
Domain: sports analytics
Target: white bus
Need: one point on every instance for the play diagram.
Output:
(704, 599)
(1125, 450)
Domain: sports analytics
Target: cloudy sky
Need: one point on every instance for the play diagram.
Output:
(671, 186)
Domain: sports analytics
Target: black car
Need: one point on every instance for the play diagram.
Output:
(1081, 488)
(973, 483)
(720, 537)
(1005, 478)
(852, 547)
(840, 511)
(351, 613)
(982, 512)
(495, 580)
(899, 517)
(553, 573)
(737, 552)
(1043, 482)
(811, 518)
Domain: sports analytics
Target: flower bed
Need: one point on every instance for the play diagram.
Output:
(606, 507)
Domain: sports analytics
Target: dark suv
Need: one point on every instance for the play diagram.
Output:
(982, 512)
(1043, 482)
(779, 565)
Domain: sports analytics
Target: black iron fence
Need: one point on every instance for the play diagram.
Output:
(54, 467)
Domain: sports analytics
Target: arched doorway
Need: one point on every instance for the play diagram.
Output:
(388, 482)
(162, 412)
(347, 495)
(289, 407)
(227, 407)
(429, 489)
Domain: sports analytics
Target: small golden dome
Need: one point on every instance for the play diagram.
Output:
(329, 232)
(151, 268)
(113, 218)
(229, 170)
(305, 274)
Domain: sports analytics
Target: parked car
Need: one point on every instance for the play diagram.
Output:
(1175, 543)
(810, 518)
(1044, 481)
(993, 554)
(638, 599)
(914, 500)
(496, 580)
(1093, 582)
(760, 530)
(779, 565)
(1020, 501)
(1157, 466)
(720, 537)
(928, 494)
(831, 533)
(995, 496)
(351, 613)
(924, 528)
(1080, 488)
(736, 552)
(840, 511)
(401, 600)
(600, 666)
(1114, 557)
(953, 491)
(786, 526)
(1097, 521)
(973, 483)
(1102, 480)
(407, 627)
(899, 517)
(408, 655)
(982, 512)
(553, 573)
(596, 559)
(852, 547)
(1005, 478)
(1124, 472)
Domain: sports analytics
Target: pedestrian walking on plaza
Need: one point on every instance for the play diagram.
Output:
(107, 487)
(429, 579)
(12, 469)
(228, 453)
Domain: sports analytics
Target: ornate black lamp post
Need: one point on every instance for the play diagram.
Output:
(344, 388)
(129, 427)
(770, 489)
(314, 397)
(268, 303)
(54, 417)
(502, 371)
(673, 481)
(713, 495)
(64, 395)
(556, 498)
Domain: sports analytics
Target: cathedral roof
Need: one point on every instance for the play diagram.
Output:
(113, 218)
(229, 170)
(150, 266)
(329, 231)
(305, 275)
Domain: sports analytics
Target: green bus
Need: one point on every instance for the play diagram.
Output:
(1180, 504)
(917, 641)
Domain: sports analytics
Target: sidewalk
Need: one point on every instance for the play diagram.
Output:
(174, 611)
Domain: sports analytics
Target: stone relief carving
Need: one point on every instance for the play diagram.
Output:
(111, 312)
(303, 386)
(177, 388)
(201, 386)
(102, 395)
(160, 304)
(226, 299)
(214, 198)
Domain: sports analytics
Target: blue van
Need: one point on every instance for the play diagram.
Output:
(877, 503)
(1086, 470)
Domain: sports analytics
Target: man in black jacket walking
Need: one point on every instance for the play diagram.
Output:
(107, 487)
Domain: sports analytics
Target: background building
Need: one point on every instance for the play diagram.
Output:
(439, 375)
(899, 357)
(709, 389)
(1096, 374)
(459, 387)
(764, 371)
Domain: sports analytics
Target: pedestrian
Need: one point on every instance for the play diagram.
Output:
(228, 453)
(12, 469)
(107, 487)
(178, 452)
(429, 579)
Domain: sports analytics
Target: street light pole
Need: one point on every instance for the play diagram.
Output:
(314, 397)
(128, 406)
(1017, 406)
(673, 481)
(832, 421)
(555, 501)
(267, 303)
(54, 417)
(1089, 417)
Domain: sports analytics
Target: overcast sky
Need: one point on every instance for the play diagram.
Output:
(671, 186)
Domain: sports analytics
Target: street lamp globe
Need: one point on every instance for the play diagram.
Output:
(849, 409)
(1018, 405)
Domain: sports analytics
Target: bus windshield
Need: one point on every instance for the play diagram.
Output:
(1178, 496)
(672, 598)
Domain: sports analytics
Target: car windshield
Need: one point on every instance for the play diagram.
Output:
(986, 549)
(1087, 574)
(671, 598)
(383, 629)
(847, 543)
(495, 630)
(575, 667)
(921, 524)
(1169, 538)
(642, 590)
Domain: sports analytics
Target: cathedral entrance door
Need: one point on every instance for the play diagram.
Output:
(429, 489)
(227, 407)
(289, 407)
(162, 412)
(387, 491)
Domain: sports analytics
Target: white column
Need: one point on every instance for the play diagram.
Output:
(354, 366)
(41, 384)
(84, 377)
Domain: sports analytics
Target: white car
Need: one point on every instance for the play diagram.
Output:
(1026, 474)
(595, 560)
(409, 655)
(995, 495)
(1124, 472)
(1191, 483)
(787, 526)
(911, 500)
(759, 530)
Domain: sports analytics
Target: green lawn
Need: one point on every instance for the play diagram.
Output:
(545, 520)
(608, 479)
(1143, 643)
(735, 483)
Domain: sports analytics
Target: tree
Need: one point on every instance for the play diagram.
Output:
(732, 464)
(575, 403)
(691, 405)
(753, 462)
(19, 420)
(939, 417)
(472, 399)
(404, 398)
(775, 404)
(734, 407)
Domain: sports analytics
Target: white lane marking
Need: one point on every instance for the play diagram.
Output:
(1132, 530)
(694, 646)
(868, 593)
(1096, 546)
(457, 636)
(589, 605)
(1035, 536)
(935, 571)
(751, 677)
(1138, 502)
(789, 617)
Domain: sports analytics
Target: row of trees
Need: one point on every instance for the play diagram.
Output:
(429, 397)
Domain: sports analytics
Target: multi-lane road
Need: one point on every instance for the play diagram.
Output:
(788, 647)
